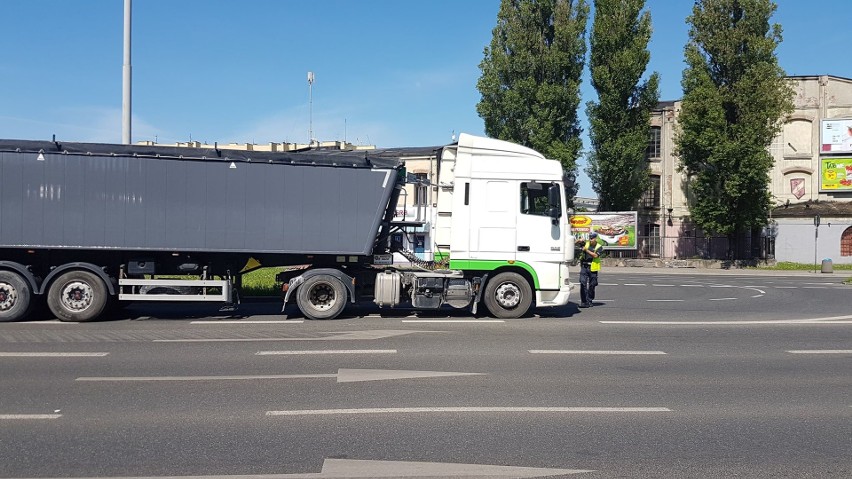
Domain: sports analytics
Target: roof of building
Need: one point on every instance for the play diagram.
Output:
(810, 208)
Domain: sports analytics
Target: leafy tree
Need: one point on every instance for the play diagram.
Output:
(735, 98)
(530, 81)
(619, 121)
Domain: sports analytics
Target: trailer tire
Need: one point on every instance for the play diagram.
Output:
(15, 297)
(508, 295)
(321, 297)
(78, 296)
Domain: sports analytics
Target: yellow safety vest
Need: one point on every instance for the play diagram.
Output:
(596, 262)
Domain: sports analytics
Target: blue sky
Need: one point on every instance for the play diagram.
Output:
(388, 72)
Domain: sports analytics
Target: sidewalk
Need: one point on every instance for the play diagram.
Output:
(838, 275)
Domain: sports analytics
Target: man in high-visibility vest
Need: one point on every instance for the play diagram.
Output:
(590, 264)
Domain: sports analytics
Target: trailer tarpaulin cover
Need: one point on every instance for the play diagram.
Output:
(132, 197)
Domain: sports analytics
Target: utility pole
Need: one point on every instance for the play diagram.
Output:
(310, 107)
(126, 70)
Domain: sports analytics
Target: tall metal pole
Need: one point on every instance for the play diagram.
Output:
(126, 70)
(310, 107)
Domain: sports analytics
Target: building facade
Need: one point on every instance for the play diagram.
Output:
(797, 183)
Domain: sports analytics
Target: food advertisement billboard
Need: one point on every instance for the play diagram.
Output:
(616, 230)
(836, 136)
(835, 174)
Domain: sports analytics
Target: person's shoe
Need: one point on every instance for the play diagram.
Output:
(583, 305)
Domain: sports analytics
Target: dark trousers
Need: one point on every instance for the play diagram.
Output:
(588, 281)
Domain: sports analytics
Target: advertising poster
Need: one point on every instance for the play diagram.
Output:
(616, 230)
(835, 174)
(836, 136)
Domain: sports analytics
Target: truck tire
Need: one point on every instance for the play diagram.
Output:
(508, 295)
(321, 297)
(77, 296)
(15, 297)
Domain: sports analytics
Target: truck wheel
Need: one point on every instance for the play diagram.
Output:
(15, 297)
(508, 296)
(321, 297)
(77, 296)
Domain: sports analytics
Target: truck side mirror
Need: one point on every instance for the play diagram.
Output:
(554, 202)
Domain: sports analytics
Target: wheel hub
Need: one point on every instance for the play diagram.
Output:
(322, 296)
(508, 295)
(76, 296)
(8, 296)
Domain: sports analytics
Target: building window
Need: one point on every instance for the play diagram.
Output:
(421, 189)
(651, 198)
(846, 242)
(651, 240)
(653, 151)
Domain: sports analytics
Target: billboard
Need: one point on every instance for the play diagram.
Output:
(836, 136)
(835, 174)
(616, 230)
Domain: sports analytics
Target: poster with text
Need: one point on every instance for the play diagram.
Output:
(836, 136)
(835, 174)
(616, 230)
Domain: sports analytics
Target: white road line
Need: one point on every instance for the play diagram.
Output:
(277, 321)
(204, 378)
(662, 285)
(757, 296)
(607, 284)
(52, 355)
(486, 321)
(722, 299)
(12, 417)
(821, 351)
(337, 351)
(786, 287)
(664, 300)
(634, 284)
(569, 351)
(819, 283)
(406, 410)
(692, 285)
(814, 287)
(721, 286)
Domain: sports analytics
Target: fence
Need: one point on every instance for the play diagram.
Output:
(698, 247)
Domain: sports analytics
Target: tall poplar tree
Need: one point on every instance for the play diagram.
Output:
(735, 99)
(530, 81)
(619, 121)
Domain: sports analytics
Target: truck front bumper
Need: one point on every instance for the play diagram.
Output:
(547, 299)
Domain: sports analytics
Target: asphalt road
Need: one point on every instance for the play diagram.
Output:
(671, 374)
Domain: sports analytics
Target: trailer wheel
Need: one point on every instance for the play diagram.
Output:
(77, 296)
(321, 297)
(508, 295)
(15, 297)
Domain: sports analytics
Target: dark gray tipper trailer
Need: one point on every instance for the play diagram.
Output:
(76, 219)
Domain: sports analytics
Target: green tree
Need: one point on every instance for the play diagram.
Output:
(735, 99)
(530, 83)
(619, 121)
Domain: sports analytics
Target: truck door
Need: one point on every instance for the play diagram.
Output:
(492, 220)
(539, 241)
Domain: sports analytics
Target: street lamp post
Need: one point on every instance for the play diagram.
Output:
(125, 74)
(310, 107)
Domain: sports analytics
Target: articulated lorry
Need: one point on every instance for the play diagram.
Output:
(86, 227)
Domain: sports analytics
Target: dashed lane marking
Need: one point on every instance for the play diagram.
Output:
(485, 321)
(820, 351)
(329, 351)
(278, 321)
(14, 417)
(420, 410)
(663, 285)
(634, 284)
(52, 355)
(726, 299)
(576, 351)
